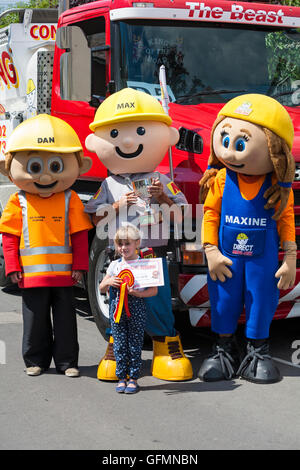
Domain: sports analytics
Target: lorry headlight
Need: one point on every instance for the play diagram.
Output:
(193, 254)
(143, 5)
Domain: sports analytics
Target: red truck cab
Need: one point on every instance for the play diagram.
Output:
(212, 50)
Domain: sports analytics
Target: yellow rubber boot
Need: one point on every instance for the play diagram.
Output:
(169, 361)
(107, 366)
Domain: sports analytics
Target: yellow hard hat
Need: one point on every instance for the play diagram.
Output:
(44, 132)
(242, 236)
(30, 86)
(129, 105)
(262, 110)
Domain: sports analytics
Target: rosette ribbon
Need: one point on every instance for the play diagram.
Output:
(127, 280)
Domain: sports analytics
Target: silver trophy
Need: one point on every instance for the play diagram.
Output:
(141, 189)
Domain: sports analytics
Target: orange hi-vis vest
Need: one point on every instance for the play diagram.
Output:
(45, 244)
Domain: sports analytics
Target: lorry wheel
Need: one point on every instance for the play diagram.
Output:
(99, 303)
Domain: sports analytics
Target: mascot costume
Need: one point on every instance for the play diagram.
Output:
(248, 214)
(45, 238)
(131, 135)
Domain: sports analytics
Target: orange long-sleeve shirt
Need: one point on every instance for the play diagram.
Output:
(249, 187)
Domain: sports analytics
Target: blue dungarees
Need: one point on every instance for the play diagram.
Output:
(248, 236)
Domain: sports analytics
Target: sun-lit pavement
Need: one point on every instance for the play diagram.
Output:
(55, 412)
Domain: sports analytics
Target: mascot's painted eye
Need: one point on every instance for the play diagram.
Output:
(55, 164)
(240, 145)
(225, 140)
(114, 133)
(141, 131)
(35, 165)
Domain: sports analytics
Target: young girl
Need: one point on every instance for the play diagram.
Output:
(128, 333)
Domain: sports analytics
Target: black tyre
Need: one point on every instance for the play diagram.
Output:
(99, 303)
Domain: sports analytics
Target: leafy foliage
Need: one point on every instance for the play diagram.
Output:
(285, 53)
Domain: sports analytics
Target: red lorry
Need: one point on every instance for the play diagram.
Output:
(212, 50)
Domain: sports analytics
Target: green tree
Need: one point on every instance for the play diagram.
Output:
(291, 3)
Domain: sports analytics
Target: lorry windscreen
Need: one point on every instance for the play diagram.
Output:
(210, 63)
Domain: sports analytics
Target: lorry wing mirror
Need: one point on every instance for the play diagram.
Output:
(75, 64)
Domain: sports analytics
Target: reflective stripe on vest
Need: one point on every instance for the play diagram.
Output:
(43, 260)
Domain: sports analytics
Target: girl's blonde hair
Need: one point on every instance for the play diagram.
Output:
(127, 232)
(283, 163)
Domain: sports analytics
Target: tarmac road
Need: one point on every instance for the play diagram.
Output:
(53, 412)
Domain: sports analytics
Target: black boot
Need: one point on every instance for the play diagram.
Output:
(223, 363)
(257, 365)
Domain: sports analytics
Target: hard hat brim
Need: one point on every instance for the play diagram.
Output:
(132, 117)
(40, 148)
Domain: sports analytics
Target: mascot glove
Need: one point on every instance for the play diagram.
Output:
(287, 271)
(217, 263)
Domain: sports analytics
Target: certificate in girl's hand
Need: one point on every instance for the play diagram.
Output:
(147, 272)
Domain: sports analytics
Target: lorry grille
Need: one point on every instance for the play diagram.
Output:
(45, 70)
